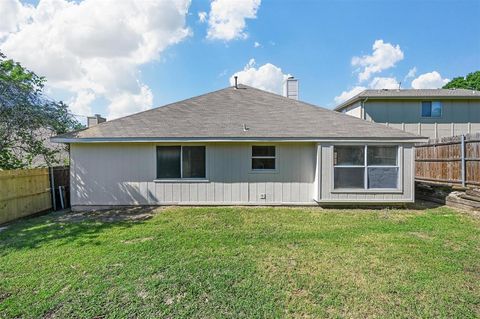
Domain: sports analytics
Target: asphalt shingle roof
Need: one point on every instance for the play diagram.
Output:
(413, 94)
(222, 115)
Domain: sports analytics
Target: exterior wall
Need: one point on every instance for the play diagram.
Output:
(114, 174)
(458, 116)
(405, 192)
(123, 174)
(353, 110)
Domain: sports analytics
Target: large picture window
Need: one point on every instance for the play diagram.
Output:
(366, 167)
(181, 162)
(263, 157)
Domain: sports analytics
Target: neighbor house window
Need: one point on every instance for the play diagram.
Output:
(181, 162)
(366, 167)
(431, 109)
(263, 157)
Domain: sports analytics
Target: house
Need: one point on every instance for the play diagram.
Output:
(239, 146)
(433, 113)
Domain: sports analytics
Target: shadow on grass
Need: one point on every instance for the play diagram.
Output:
(418, 205)
(65, 227)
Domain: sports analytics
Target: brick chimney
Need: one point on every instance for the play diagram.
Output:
(94, 120)
(291, 88)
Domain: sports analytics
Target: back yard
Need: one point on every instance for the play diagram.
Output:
(243, 262)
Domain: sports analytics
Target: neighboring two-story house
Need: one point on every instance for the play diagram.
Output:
(432, 113)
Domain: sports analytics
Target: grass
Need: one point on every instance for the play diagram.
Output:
(244, 262)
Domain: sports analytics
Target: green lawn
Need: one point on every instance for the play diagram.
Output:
(244, 262)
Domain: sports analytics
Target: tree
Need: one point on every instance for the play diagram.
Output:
(471, 82)
(28, 118)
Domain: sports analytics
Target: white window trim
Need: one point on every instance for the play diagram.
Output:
(181, 178)
(260, 170)
(365, 166)
(431, 105)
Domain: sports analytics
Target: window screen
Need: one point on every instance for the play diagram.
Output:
(382, 155)
(181, 162)
(426, 109)
(431, 109)
(382, 177)
(263, 151)
(436, 109)
(349, 177)
(263, 157)
(380, 172)
(349, 155)
(193, 165)
(168, 161)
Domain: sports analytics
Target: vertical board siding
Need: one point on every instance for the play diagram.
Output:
(124, 174)
(458, 116)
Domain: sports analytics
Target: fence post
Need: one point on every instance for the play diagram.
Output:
(463, 160)
(52, 187)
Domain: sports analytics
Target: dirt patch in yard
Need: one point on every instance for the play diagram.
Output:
(112, 215)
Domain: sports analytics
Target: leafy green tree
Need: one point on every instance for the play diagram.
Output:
(28, 118)
(471, 81)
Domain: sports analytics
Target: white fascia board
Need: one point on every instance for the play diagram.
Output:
(240, 139)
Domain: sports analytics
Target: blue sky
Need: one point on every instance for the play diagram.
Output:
(314, 41)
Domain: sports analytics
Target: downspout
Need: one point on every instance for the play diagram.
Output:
(362, 108)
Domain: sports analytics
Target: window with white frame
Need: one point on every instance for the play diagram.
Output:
(181, 162)
(431, 109)
(263, 157)
(366, 167)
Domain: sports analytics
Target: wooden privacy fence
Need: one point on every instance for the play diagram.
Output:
(24, 192)
(449, 160)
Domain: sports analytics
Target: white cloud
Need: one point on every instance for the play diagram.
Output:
(267, 77)
(227, 18)
(81, 103)
(431, 80)
(256, 44)
(411, 73)
(13, 15)
(97, 46)
(202, 16)
(384, 56)
(125, 103)
(345, 95)
(379, 83)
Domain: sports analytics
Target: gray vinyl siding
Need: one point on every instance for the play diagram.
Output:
(124, 174)
(458, 116)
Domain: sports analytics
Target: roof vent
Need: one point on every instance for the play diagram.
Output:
(291, 88)
(236, 81)
(245, 128)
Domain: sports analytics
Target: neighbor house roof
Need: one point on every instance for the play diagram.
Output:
(245, 113)
(411, 94)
